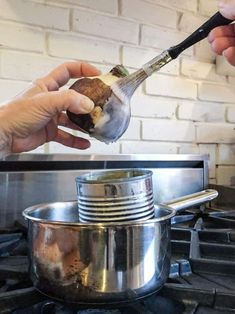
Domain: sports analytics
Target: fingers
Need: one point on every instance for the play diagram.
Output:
(63, 120)
(61, 75)
(222, 31)
(227, 8)
(221, 38)
(221, 44)
(52, 103)
(70, 140)
(229, 54)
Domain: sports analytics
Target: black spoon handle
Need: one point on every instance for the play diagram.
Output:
(216, 20)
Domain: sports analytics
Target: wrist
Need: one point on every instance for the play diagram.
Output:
(5, 139)
(5, 146)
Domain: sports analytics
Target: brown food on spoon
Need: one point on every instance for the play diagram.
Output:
(98, 89)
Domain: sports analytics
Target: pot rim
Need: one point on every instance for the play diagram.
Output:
(87, 177)
(27, 213)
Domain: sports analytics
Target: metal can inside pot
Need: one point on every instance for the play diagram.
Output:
(115, 195)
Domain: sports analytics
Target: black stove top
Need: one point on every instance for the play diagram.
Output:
(202, 278)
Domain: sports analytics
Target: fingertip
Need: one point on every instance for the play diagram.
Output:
(78, 103)
(211, 36)
(86, 104)
(89, 69)
(216, 47)
(229, 54)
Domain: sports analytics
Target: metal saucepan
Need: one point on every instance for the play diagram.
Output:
(101, 262)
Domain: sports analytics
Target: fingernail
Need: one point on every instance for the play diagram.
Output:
(86, 105)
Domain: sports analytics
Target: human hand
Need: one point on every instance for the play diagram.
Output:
(222, 38)
(32, 117)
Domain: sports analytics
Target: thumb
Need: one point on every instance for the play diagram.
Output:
(55, 102)
(227, 8)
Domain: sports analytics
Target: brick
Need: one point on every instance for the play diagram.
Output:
(108, 6)
(214, 133)
(203, 112)
(162, 37)
(223, 67)
(148, 148)
(133, 130)
(10, 88)
(96, 147)
(81, 48)
(225, 175)
(209, 149)
(212, 181)
(190, 22)
(136, 57)
(147, 12)
(153, 107)
(226, 154)
(203, 51)
(231, 114)
(22, 66)
(208, 7)
(200, 70)
(35, 13)
(168, 130)
(163, 85)
(105, 26)
(25, 38)
(188, 5)
(216, 92)
(188, 149)
(231, 80)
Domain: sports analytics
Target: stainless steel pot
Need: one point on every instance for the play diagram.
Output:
(101, 262)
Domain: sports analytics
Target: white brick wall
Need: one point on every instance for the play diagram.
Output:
(190, 22)
(226, 154)
(201, 70)
(223, 67)
(215, 92)
(165, 130)
(108, 6)
(34, 13)
(21, 37)
(105, 26)
(149, 13)
(162, 37)
(163, 85)
(215, 133)
(207, 7)
(187, 107)
(201, 111)
(225, 175)
(90, 49)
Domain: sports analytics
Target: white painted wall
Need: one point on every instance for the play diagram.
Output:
(187, 107)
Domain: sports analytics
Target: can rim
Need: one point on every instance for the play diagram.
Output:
(103, 176)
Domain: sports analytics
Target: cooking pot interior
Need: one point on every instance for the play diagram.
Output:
(67, 213)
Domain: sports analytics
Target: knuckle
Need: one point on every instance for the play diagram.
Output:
(39, 83)
(72, 95)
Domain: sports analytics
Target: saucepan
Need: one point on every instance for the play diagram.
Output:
(101, 262)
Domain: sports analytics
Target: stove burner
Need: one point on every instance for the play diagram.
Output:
(202, 278)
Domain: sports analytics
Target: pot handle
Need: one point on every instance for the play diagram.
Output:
(181, 203)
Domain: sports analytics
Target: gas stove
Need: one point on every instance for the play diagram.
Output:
(202, 277)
